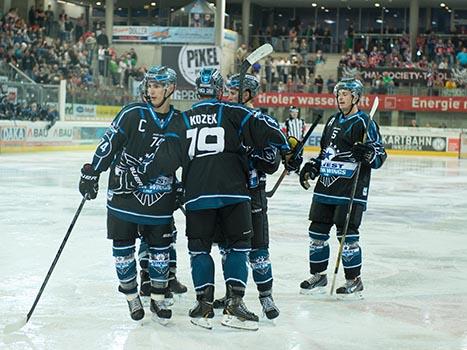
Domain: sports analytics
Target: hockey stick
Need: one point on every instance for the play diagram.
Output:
(20, 323)
(297, 151)
(352, 196)
(253, 57)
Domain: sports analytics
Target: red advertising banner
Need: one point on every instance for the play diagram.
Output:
(387, 102)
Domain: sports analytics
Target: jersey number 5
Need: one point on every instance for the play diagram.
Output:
(205, 141)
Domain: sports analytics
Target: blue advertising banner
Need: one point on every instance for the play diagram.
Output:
(165, 35)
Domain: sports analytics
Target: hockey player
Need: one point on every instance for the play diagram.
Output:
(294, 125)
(341, 148)
(175, 287)
(146, 210)
(260, 162)
(207, 143)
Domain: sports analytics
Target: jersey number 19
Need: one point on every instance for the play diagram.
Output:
(205, 141)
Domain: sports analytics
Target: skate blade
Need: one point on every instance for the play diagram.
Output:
(314, 291)
(235, 322)
(352, 296)
(202, 322)
(161, 321)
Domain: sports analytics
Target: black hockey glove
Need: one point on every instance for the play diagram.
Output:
(89, 182)
(309, 172)
(363, 152)
(293, 163)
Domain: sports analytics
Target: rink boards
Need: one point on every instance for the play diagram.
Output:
(24, 136)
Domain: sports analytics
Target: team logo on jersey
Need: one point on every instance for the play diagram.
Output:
(160, 262)
(161, 184)
(349, 252)
(151, 193)
(146, 199)
(123, 264)
(332, 170)
(261, 265)
(329, 154)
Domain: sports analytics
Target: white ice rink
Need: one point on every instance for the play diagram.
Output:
(414, 239)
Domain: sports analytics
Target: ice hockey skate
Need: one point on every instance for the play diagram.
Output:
(316, 284)
(176, 287)
(236, 315)
(220, 303)
(270, 310)
(160, 312)
(136, 307)
(201, 314)
(351, 289)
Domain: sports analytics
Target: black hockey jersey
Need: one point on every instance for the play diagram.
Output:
(207, 142)
(132, 136)
(261, 162)
(337, 164)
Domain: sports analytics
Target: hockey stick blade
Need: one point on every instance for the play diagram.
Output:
(261, 52)
(15, 326)
(298, 150)
(374, 107)
(253, 57)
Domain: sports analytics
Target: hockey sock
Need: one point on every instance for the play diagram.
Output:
(173, 252)
(319, 255)
(143, 254)
(236, 271)
(173, 259)
(202, 270)
(223, 251)
(159, 268)
(125, 264)
(352, 260)
(262, 269)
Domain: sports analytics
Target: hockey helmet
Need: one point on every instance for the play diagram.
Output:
(355, 86)
(210, 83)
(161, 75)
(250, 83)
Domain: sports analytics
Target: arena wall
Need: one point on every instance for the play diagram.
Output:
(22, 136)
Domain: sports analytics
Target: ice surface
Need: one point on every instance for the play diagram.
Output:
(414, 239)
